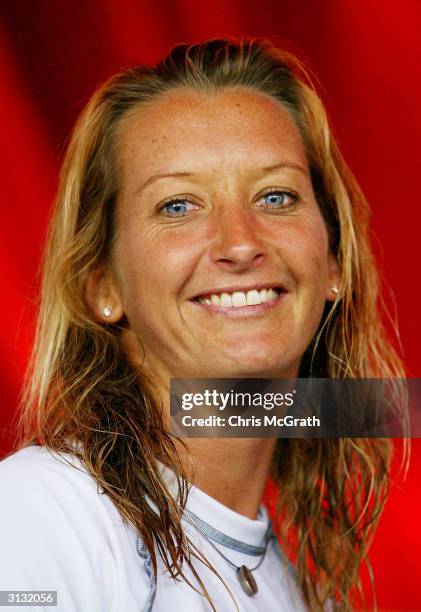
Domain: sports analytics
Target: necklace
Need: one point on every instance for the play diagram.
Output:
(244, 574)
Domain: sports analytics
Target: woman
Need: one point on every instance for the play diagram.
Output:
(206, 226)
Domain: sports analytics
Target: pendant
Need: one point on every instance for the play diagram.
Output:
(247, 581)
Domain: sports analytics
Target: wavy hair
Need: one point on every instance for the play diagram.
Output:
(81, 386)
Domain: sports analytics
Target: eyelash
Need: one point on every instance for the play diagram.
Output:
(285, 192)
(175, 201)
(272, 191)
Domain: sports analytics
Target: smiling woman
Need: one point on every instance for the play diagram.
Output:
(222, 213)
(206, 226)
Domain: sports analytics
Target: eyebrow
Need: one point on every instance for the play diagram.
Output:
(262, 170)
(267, 169)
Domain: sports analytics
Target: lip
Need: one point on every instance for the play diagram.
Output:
(243, 311)
(243, 288)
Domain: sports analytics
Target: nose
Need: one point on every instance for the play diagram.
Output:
(239, 244)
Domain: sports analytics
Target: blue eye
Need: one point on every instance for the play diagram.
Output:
(278, 199)
(177, 208)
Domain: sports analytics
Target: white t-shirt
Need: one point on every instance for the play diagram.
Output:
(58, 532)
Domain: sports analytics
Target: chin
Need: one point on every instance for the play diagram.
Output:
(260, 364)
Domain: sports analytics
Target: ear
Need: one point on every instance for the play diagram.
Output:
(333, 289)
(102, 294)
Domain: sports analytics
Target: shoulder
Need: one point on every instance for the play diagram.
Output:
(58, 530)
(37, 465)
(37, 484)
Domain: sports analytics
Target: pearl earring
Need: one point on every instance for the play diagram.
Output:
(106, 311)
(335, 289)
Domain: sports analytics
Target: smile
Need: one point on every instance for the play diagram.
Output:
(241, 299)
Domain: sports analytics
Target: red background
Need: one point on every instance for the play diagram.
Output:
(367, 56)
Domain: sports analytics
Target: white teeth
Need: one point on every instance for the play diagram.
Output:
(226, 301)
(238, 299)
(253, 297)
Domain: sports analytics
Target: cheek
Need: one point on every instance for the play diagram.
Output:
(305, 250)
(153, 267)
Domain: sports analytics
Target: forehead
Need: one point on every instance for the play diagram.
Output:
(232, 126)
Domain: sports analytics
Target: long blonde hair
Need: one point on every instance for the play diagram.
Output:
(81, 387)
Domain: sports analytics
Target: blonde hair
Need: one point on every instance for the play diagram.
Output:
(81, 387)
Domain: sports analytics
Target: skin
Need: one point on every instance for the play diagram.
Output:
(232, 237)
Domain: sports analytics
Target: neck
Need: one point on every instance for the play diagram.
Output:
(231, 470)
